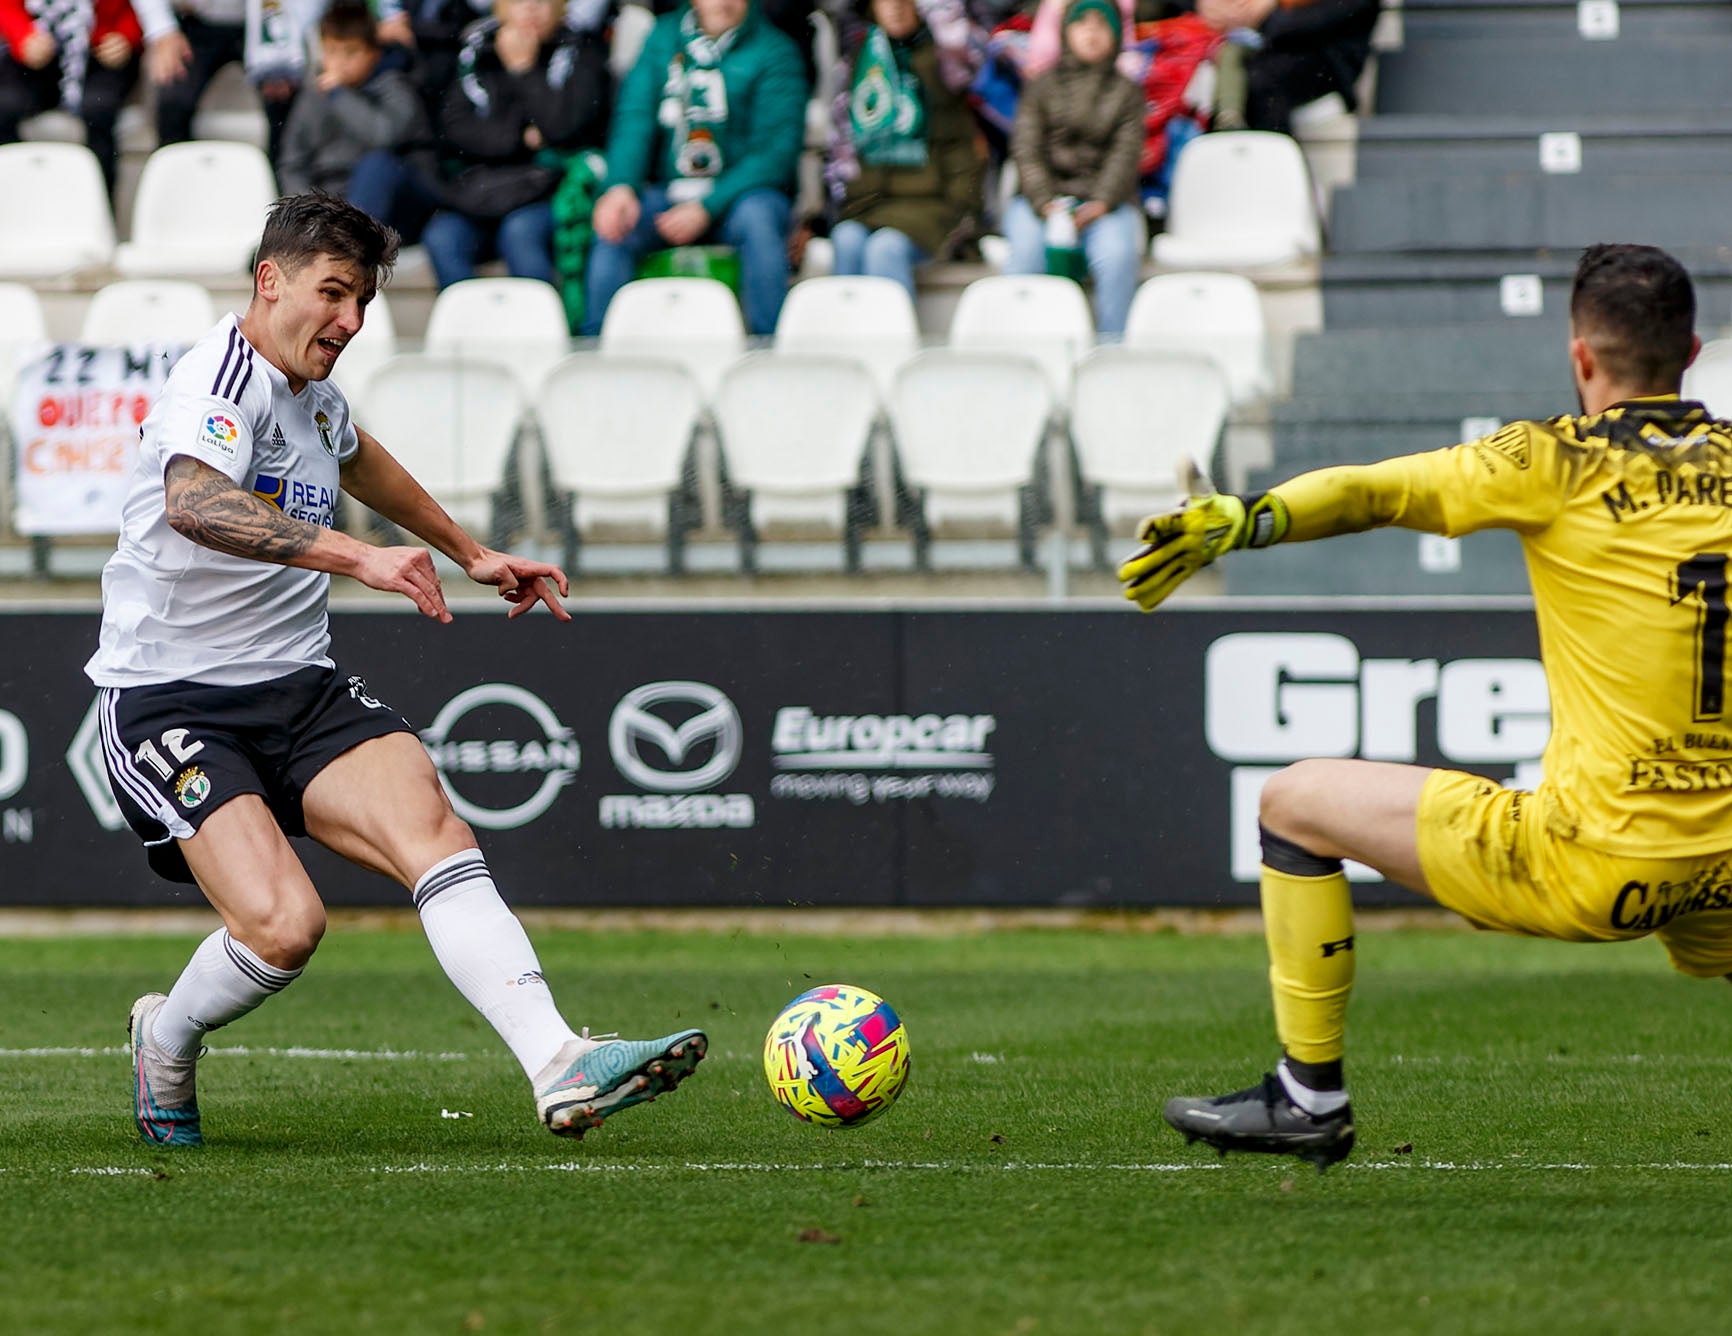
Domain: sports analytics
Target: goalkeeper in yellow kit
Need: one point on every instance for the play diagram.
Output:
(1625, 515)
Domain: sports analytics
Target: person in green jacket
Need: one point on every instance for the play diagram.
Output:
(705, 146)
(906, 161)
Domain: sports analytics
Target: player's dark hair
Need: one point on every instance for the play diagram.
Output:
(300, 228)
(349, 21)
(1636, 306)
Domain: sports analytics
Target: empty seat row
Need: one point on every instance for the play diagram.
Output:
(520, 323)
(796, 431)
(198, 211)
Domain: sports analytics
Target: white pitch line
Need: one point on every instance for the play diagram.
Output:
(243, 1050)
(940, 1166)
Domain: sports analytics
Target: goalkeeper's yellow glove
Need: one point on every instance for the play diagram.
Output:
(1180, 543)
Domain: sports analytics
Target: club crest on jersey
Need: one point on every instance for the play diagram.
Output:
(220, 433)
(323, 423)
(193, 787)
(270, 490)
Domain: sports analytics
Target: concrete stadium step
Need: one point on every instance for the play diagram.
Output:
(1481, 214)
(1311, 444)
(1674, 73)
(1397, 362)
(1429, 146)
(1384, 561)
(1362, 292)
(1557, 21)
(1366, 403)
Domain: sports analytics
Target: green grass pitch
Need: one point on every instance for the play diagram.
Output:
(1543, 1146)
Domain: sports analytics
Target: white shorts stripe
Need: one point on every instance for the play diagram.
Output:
(121, 769)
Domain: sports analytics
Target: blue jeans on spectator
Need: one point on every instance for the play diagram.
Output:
(385, 187)
(1113, 246)
(756, 227)
(523, 239)
(880, 252)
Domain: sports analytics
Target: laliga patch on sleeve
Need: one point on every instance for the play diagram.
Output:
(219, 433)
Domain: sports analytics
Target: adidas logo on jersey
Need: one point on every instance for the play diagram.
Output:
(277, 437)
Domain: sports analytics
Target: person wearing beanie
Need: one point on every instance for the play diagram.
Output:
(1077, 142)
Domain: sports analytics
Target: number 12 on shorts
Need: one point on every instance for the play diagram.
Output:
(1704, 576)
(175, 744)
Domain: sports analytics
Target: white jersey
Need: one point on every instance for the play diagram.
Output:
(173, 611)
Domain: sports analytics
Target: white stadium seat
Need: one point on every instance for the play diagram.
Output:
(1218, 315)
(1709, 377)
(1241, 199)
(54, 215)
(198, 212)
(695, 321)
(618, 433)
(1039, 315)
(375, 345)
(518, 323)
(969, 428)
(1135, 416)
(869, 319)
(794, 429)
(22, 327)
(452, 423)
(148, 310)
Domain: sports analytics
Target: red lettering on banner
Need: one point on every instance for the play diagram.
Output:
(105, 455)
(93, 409)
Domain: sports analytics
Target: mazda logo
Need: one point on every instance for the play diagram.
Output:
(705, 715)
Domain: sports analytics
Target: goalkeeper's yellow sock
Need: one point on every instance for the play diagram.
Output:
(1308, 921)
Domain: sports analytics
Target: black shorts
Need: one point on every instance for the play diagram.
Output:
(177, 752)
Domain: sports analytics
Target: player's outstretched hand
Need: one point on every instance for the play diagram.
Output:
(407, 571)
(521, 582)
(1180, 543)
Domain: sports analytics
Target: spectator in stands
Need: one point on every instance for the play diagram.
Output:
(1077, 142)
(433, 31)
(73, 54)
(529, 92)
(705, 144)
(906, 164)
(1304, 50)
(188, 41)
(793, 17)
(360, 131)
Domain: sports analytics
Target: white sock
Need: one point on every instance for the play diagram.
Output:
(485, 952)
(222, 982)
(1317, 1103)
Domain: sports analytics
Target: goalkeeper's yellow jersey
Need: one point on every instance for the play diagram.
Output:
(1626, 521)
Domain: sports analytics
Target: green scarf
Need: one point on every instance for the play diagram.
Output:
(573, 204)
(885, 108)
(694, 105)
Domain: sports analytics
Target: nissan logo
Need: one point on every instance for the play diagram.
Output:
(705, 714)
(554, 755)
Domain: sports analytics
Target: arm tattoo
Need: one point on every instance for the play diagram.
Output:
(208, 508)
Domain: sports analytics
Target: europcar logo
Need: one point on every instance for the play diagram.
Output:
(873, 757)
(676, 739)
(545, 751)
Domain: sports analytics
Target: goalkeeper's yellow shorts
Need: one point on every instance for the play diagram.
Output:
(1489, 854)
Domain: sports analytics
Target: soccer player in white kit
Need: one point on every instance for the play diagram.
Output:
(226, 725)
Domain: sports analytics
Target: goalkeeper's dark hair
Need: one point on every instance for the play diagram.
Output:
(300, 228)
(1637, 309)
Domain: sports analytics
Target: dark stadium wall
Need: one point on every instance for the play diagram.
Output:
(1078, 758)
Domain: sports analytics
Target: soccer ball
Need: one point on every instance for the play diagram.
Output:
(837, 1056)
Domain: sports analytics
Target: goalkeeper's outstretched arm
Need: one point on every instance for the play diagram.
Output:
(1320, 504)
